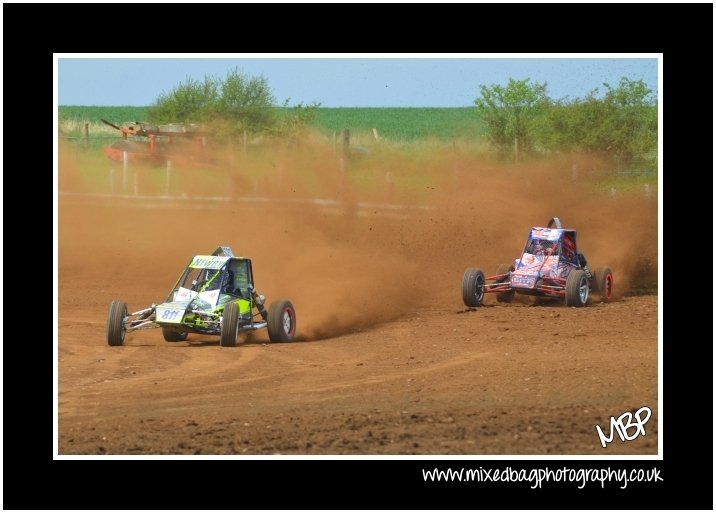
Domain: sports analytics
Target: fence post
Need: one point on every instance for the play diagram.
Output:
(86, 135)
(375, 134)
(125, 162)
(345, 148)
(168, 177)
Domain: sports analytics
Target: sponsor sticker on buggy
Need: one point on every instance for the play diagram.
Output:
(208, 262)
(210, 296)
(169, 315)
(523, 281)
(184, 294)
(546, 233)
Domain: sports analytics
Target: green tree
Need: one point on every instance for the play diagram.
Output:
(235, 103)
(512, 113)
(190, 102)
(631, 121)
(245, 103)
(621, 125)
(575, 125)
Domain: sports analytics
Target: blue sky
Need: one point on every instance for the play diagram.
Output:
(345, 81)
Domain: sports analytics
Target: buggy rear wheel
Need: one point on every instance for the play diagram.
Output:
(508, 296)
(577, 290)
(115, 323)
(604, 282)
(174, 336)
(473, 287)
(229, 325)
(281, 321)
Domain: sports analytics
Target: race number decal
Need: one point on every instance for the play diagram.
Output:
(170, 315)
(523, 281)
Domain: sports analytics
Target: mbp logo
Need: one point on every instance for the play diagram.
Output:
(624, 423)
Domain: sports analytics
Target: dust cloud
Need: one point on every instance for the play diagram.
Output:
(351, 242)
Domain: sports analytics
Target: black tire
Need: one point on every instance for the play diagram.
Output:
(281, 321)
(577, 290)
(473, 287)
(115, 323)
(174, 336)
(505, 297)
(229, 325)
(604, 282)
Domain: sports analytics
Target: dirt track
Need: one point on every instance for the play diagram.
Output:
(389, 361)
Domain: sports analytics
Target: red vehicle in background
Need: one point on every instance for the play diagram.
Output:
(159, 143)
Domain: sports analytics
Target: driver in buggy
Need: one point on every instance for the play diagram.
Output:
(236, 283)
(229, 286)
(536, 248)
(542, 252)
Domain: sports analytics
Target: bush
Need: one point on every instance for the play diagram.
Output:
(229, 105)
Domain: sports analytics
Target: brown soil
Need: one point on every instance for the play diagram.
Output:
(388, 361)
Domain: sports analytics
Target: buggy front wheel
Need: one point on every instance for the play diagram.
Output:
(229, 325)
(115, 323)
(281, 321)
(473, 287)
(577, 290)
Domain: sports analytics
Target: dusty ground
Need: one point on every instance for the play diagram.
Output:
(389, 361)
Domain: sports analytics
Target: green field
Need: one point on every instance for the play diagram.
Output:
(404, 124)
(395, 124)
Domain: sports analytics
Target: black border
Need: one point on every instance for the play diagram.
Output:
(32, 480)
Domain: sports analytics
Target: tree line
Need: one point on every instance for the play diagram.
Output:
(621, 124)
(520, 118)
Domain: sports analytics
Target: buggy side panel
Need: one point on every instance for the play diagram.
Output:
(244, 306)
(569, 249)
